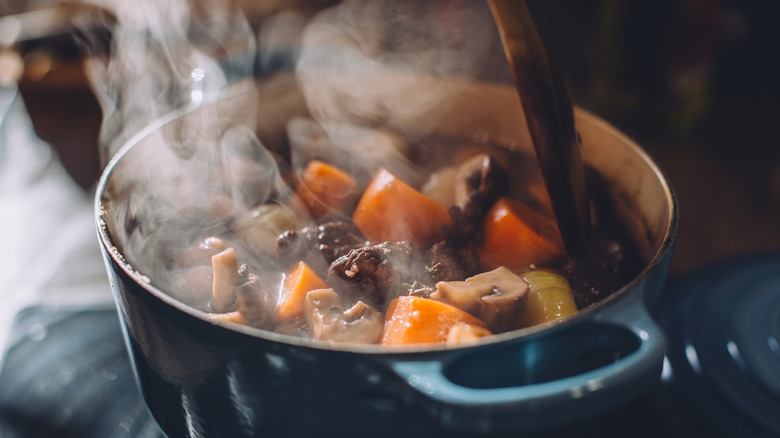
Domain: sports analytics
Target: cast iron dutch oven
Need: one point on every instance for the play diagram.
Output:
(207, 379)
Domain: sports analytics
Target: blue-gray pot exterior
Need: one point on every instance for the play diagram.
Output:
(203, 380)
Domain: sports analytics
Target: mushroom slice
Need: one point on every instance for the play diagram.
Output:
(223, 294)
(497, 297)
(328, 321)
(481, 181)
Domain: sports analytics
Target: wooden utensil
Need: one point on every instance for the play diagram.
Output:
(550, 118)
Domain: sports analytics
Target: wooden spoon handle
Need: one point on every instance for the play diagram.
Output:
(550, 118)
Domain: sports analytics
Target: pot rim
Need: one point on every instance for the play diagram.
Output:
(667, 245)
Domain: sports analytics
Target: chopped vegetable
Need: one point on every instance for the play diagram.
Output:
(296, 285)
(223, 294)
(324, 188)
(391, 210)
(516, 236)
(328, 321)
(463, 333)
(264, 223)
(235, 317)
(434, 258)
(497, 297)
(549, 298)
(479, 180)
(417, 320)
(481, 183)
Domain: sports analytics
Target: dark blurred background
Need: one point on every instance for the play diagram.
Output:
(693, 81)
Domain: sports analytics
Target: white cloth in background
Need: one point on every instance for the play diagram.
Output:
(49, 252)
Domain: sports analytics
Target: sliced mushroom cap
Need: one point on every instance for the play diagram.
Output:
(464, 295)
(480, 181)
(328, 321)
(497, 297)
(223, 294)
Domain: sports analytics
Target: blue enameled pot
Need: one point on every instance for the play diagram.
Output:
(207, 379)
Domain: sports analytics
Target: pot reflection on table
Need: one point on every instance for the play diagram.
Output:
(207, 377)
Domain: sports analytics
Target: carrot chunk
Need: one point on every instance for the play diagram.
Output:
(324, 188)
(516, 236)
(391, 210)
(298, 282)
(416, 320)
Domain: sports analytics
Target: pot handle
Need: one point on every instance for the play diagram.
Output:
(627, 318)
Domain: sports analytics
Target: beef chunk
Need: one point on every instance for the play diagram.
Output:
(369, 272)
(467, 224)
(331, 239)
(447, 262)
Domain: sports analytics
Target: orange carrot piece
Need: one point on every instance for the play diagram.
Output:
(324, 188)
(416, 320)
(516, 236)
(298, 282)
(391, 210)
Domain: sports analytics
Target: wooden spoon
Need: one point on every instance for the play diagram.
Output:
(550, 118)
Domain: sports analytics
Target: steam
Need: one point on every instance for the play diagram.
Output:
(379, 63)
(162, 56)
(203, 175)
(193, 178)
